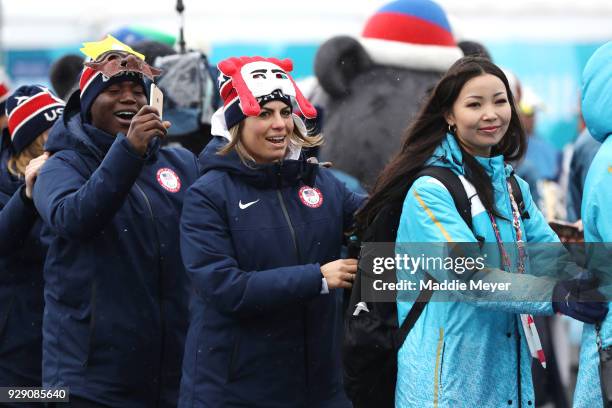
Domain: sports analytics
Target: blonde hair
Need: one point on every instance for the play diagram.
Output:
(17, 164)
(296, 138)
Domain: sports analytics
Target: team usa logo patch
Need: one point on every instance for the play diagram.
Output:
(168, 179)
(311, 197)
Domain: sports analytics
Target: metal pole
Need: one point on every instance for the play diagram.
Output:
(2, 50)
(180, 8)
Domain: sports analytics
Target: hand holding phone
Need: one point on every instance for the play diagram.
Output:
(157, 99)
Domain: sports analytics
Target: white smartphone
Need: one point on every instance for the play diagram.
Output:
(157, 99)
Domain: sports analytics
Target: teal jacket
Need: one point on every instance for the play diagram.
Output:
(596, 214)
(468, 354)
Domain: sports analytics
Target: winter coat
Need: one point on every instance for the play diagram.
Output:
(596, 214)
(468, 354)
(116, 292)
(543, 157)
(262, 334)
(22, 255)
(585, 149)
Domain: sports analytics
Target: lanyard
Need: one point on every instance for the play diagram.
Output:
(519, 236)
(529, 327)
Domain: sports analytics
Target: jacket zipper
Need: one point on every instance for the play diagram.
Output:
(518, 362)
(159, 293)
(299, 259)
(92, 322)
(291, 230)
(516, 324)
(438, 368)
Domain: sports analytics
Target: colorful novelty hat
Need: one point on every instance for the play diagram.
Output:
(111, 62)
(411, 34)
(246, 83)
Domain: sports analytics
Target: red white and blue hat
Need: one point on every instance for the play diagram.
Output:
(411, 34)
(92, 83)
(111, 62)
(31, 110)
(247, 83)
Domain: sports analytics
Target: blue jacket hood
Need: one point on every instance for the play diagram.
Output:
(275, 175)
(68, 132)
(597, 93)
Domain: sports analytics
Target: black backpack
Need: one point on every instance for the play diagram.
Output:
(372, 337)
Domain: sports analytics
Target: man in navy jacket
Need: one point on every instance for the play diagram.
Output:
(115, 288)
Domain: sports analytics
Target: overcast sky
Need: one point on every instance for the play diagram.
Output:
(39, 23)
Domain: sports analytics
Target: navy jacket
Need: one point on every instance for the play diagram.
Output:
(116, 292)
(22, 255)
(585, 149)
(262, 334)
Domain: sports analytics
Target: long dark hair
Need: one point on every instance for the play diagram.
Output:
(427, 132)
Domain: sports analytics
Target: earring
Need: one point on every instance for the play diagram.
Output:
(452, 129)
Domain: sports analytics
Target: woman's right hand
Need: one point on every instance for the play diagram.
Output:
(31, 172)
(340, 273)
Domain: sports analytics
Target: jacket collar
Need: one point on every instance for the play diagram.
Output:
(448, 154)
(275, 175)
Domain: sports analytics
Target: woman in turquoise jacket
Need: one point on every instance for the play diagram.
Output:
(596, 214)
(470, 354)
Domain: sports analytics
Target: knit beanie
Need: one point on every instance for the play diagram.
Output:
(93, 83)
(31, 110)
(411, 34)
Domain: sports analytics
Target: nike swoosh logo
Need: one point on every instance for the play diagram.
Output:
(246, 205)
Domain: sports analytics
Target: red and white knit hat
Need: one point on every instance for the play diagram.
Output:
(246, 83)
(411, 34)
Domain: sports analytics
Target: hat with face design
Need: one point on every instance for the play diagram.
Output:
(111, 62)
(248, 83)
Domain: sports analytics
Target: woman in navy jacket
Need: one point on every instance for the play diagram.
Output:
(115, 288)
(32, 110)
(261, 233)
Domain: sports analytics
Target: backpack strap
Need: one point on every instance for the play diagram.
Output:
(518, 196)
(454, 186)
(413, 315)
